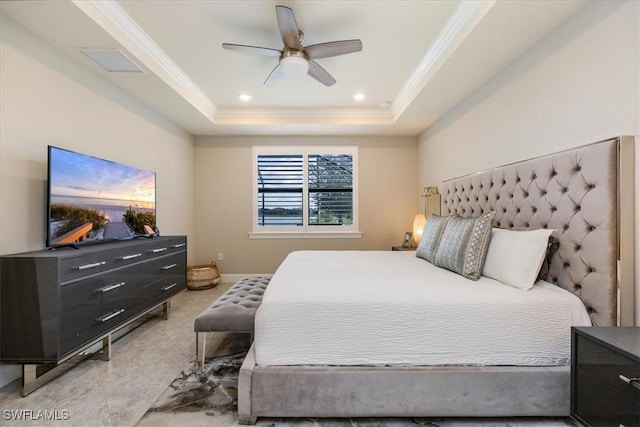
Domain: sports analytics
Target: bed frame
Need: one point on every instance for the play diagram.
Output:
(586, 194)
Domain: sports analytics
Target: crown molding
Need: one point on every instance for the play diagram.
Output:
(467, 15)
(110, 16)
(118, 24)
(303, 115)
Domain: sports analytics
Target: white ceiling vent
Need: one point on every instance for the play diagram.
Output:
(112, 60)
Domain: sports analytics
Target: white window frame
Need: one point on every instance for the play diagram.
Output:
(305, 231)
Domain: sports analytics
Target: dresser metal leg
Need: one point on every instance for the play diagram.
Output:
(165, 310)
(35, 376)
(28, 379)
(105, 354)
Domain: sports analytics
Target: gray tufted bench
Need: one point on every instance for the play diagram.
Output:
(233, 311)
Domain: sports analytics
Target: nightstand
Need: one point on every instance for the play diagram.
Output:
(401, 248)
(605, 376)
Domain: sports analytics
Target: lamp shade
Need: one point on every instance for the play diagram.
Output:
(418, 227)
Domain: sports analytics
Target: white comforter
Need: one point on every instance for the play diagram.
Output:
(391, 308)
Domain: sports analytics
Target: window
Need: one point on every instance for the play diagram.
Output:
(305, 192)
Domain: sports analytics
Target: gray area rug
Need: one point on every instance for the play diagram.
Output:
(215, 389)
(213, 394)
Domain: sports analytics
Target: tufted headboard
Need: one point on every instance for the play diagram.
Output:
(573, 192)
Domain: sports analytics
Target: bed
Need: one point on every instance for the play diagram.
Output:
(346, 334)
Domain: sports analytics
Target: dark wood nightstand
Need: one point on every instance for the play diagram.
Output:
(401, 248)
(605, 376)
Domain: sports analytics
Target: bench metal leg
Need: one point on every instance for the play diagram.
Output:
(204, 346)
(200, 352)
(197, 360)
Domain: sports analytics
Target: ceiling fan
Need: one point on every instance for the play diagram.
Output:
(296, 60)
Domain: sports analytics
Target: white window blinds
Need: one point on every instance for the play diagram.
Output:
(305, 189)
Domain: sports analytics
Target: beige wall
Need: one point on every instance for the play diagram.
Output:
(388, 199)
(46, 99)
(579, 85)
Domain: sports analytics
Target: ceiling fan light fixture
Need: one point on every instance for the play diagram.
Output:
(294, 66)
(296, 60)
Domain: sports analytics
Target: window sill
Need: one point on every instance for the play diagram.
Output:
(305, 235)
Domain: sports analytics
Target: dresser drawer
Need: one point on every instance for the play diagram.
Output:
(92, 261)
(599, 404)
(608, 365)
(82, 324)
(165, 247)
(164, 288)
(169, 277)
(85, 264)
(98, 289)
(167, 267)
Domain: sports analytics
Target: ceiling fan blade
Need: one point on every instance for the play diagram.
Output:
(252, 49)
(288, 27)
(320, 74)
(274, 76)
(337, 48)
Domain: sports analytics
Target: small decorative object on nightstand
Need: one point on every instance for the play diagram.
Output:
(605, 376)
(406, 242)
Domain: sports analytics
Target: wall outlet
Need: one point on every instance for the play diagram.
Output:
(220, 256)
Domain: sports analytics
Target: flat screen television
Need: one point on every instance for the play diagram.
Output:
(93, 200)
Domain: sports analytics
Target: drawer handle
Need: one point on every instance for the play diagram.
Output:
(179, 245)
(166, 288)
(126, 257)
(155, 251)
(110, 287)
(631, 381)
(168, 267)
(111, 315)
(92, 265)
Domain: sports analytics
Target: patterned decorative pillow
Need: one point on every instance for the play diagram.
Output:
(463, 245)
(431, 237)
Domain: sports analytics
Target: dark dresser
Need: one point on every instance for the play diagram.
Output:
(605, 376)
(55, 303)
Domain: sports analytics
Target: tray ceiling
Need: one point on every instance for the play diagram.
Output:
(420, 58)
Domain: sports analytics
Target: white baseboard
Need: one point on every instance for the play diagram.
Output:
(236, 277)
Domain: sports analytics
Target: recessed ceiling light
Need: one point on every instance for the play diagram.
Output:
(245, 97)
(358, 96)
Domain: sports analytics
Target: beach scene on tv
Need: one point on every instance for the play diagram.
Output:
(96, 199)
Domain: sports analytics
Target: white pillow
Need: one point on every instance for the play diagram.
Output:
(515, 257)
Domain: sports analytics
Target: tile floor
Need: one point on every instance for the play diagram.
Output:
(118, 393)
